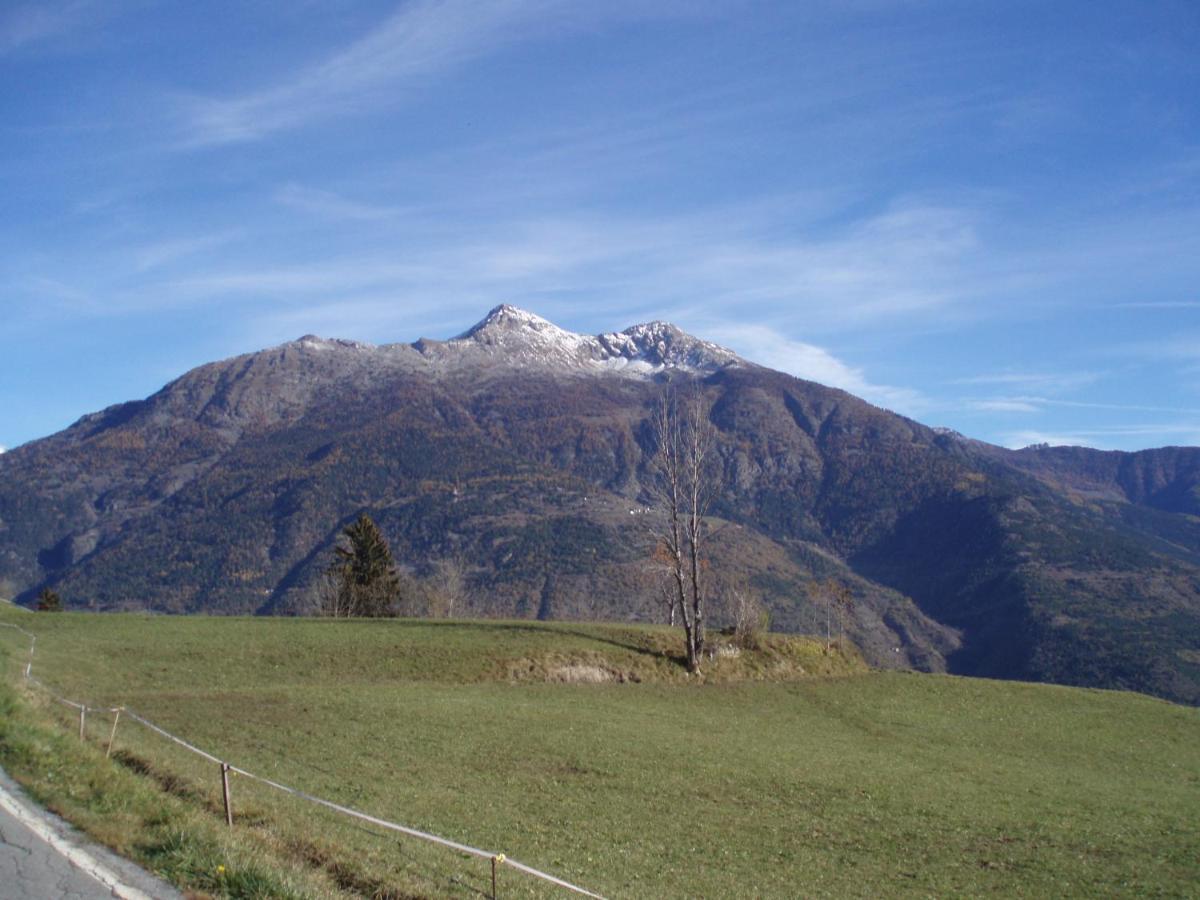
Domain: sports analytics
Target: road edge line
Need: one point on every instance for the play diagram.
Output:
(74, 854)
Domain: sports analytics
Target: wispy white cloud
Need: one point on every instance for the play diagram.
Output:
(767, 347)
(1125, 407)
(1157, 304)
(379, 318)
(161, 253)
(1177, 346)
(1004, 405)
(420, 40)
(909, 259)
(330, 205)
(27, 24)
(1187, 434)
(1033, 404)
(699, 267)
(1048, 383)
(69, 297)
(294, 284)
(1045, 381)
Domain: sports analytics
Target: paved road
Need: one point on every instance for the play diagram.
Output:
(43, 858)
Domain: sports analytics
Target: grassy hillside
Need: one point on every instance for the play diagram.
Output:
(850, 784)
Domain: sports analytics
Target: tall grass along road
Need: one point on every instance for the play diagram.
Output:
(42, 857)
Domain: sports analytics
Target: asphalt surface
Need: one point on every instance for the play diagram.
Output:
(44, 858)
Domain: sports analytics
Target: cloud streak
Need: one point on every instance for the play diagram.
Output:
(421, 40)
(1123, 407)
(769, 348)
(1006, 406)
(697, 268)
(332, 206)
(166, 252)
(30, 24)
(1049, 382)
(1106, 438)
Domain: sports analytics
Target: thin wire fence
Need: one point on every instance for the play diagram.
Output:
(496, 859)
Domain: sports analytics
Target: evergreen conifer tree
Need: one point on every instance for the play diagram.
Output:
(364, 574)
(49, 601)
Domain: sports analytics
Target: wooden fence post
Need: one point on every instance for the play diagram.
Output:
(82, 720)
(113, 734)
(497, 861)
(225, 794)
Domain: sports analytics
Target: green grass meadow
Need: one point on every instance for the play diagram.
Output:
(787, 773)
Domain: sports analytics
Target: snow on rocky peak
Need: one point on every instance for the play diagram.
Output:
(509, 327)
(511, 336)
(508, 318)
(314, 342)
(662, 345)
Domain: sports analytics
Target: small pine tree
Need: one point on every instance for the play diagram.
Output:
(49, 601)
(363, 575)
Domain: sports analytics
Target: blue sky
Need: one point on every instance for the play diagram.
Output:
(982, 215)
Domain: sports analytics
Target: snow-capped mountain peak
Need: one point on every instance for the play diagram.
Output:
(507, 317)
(509, 335)
(513, 327)
(314, 342)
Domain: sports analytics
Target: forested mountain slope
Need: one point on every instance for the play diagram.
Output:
(520, 451)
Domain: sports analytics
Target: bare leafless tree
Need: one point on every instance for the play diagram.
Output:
(448, 590)
(685, 484)
(666, 598)
(749, 615)
(332, 598)
(657, 577)
(837, 602)
(845, 611)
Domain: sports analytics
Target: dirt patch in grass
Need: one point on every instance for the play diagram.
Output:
(555, 669)
(581, 673)
(776, 658)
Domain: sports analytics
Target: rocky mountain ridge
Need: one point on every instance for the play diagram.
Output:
(520, 451)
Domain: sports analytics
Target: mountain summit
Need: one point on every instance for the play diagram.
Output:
(512, 339)
(512, 336)
(522, 453)
(506, 318)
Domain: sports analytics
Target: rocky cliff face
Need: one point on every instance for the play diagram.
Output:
(520, 450)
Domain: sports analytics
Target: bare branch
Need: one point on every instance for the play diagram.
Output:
(685, 485)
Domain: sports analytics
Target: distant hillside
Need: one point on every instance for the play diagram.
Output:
(521, 449)
(1166, 479)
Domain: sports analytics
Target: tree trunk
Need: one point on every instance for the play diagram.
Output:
(685, 438)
